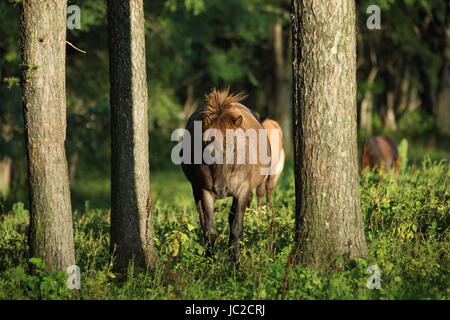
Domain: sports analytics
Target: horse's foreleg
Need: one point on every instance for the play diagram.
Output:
(205, 206)
(236, 221)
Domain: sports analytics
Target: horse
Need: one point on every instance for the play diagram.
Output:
(218, 180)
(275, 135)
(380, 152)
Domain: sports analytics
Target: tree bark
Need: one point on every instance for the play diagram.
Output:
(131, 216)
(43, 46)
(329, 222)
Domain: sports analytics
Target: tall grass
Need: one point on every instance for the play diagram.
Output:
(406, 226)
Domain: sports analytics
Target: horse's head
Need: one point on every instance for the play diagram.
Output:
(218, 149)
(221, 114)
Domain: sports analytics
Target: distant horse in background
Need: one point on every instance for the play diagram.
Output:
(220, 180)
(380, 152)
(275, 135)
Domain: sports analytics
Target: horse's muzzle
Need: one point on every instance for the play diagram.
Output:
(220, 191)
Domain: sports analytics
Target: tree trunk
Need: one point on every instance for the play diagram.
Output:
(282, 84)
(367, 105)
(43, 44)
(131, 216)
(414, 101)
(5, 174)
(389, 114)
(72, 168)
(190, 105)
(404, 90)
(443, 96)
(329, 222)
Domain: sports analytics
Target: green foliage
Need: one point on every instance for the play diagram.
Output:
(416, 123)
(30, 66)
(16, 283)
(206, 43)
(12, 81)
(406, 224)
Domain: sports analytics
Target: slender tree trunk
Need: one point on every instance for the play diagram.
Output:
(388, 111)
(282, 84)
(443, 96)
(414, 101)
(329, 222)
(404, 90)
(131, 216)
(190, 105)
(43, 45)
(72, 168)
(389, 114)
(367, 105)
(5, 174)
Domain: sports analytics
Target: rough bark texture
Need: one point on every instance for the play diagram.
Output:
(43, 45)
(328, 211)
(131, 217)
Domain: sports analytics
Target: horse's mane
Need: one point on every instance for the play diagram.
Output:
(217, 102)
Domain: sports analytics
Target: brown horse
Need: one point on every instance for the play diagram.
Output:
(211, 181)
(380, 152)
(275, 135)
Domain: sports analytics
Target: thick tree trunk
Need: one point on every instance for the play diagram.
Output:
(329, 222)
(131, 216)
(282, 86)
(43, 44)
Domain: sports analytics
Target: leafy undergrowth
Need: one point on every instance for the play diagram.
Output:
(406, 221)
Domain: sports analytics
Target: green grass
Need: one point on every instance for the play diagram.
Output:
(406, 226)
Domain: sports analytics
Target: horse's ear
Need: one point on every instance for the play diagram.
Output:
(237, 120)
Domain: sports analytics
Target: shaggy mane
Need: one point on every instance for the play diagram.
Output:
(217, 102)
